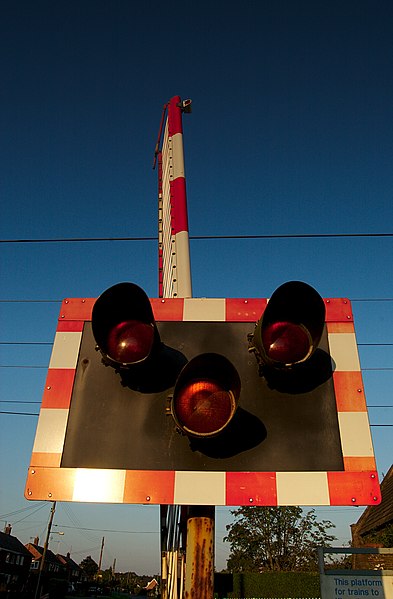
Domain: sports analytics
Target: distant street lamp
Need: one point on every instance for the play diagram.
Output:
(54, 532)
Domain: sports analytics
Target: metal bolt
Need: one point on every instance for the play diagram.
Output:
(359, 390)
(49, 494)
(375, 498)
(373, 476)
(246, 301)
(33, 471)
(328, 301)
(250, 500)
(148, 498)
(29, 492)
(66, 301)
(353, 499)
(49, 387)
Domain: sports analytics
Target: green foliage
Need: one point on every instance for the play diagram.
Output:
(383, 537)
(276, 584)
(275, 539)
(89, 567)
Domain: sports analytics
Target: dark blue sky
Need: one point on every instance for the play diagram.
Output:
(291, 133)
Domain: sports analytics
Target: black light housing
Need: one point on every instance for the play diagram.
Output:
(290, 329)
(123, 326)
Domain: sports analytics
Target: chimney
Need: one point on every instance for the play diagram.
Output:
(36, 541)
(7, 529)
(68, 554)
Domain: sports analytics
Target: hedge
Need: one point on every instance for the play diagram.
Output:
(275, 585)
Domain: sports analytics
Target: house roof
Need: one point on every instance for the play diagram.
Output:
(68, 561)
(376, 516)
(10, 543)
(37, 552)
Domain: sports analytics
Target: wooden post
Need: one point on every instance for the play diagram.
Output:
(200, 553)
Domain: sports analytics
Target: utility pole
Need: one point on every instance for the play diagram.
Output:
(101, 552)
(52, 513)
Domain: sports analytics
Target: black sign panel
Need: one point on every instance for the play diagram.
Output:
(282, 424)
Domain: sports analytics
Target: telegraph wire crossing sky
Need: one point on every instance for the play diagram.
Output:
(288, 157)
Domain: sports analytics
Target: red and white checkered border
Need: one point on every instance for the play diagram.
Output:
(356, 485)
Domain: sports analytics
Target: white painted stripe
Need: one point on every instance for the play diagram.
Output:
(51, 430)
(344, 351)
(355, 434)
(177, 155)
(105, 486)
(204, 309)
(302, 488)
(169, 252)
(199, 488)
(65, 350)
(183, 271)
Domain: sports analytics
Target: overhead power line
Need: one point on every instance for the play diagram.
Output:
(199, 237)
(36, 414)
(26, 342)
(20, 413)
(13, 401)
(28, 301)
(138, 532)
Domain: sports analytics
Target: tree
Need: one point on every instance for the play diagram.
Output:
(89, 567)
(275, 538)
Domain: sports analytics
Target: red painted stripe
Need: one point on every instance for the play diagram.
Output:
(58, 388)
(77, 308)
(149, 486)
(167, 309)
(338, 309)
(56, 484)
(354, 488)
(174, 116)
(244, 310)
(160, 273)
(179, 205)
(340, 327)
(70, 326)
(349, 391)
(251, 488)
(51, 460)
(359, 464)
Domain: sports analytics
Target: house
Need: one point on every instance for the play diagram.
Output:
(74, 572)
(152, 588)
(15, 562)
(375, 529)
(52, 566)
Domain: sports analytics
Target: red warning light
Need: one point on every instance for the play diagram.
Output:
(204, 407)
(206, 395)
(130, 342)
(286, 342)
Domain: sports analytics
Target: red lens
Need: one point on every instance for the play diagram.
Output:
(130, 341)
(286, 342)
(204, 406)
